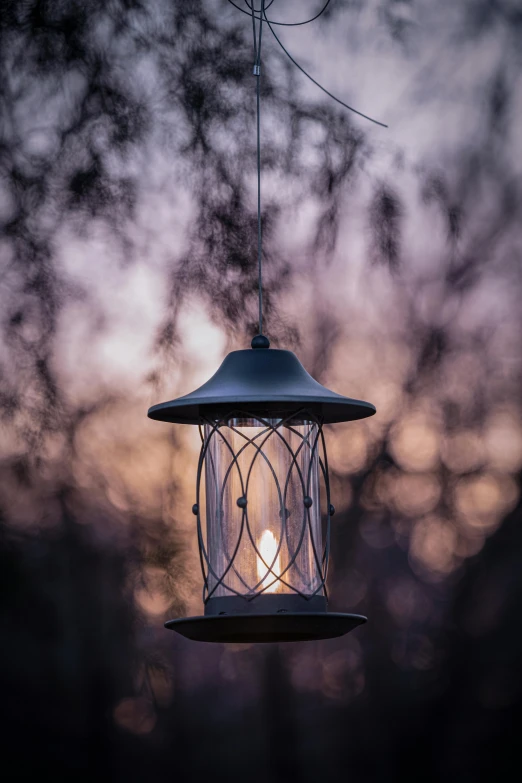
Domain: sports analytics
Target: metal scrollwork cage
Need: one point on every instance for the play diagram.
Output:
(263, 505)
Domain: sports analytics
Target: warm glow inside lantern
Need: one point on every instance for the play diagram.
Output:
(263, 504)
(263, 528)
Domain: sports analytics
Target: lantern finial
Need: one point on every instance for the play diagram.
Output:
(260, 341)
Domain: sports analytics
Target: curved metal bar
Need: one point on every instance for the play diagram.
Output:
(324, 470)
(269, 429)
(318, 564)
(250, 441)
(304, 440)
(222, 531)
(319, 424)
(220, 580)
(231, 560)
(215, 427)
(303, 528)
(249, 530)
(306, 512)
(272, 428)
(305, 489)
(203, 550)
(320, 567)
(201, 545)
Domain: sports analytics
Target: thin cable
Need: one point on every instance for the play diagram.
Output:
(254, 31)
(258, 10)
(355, 111)
(282, 24)
(257, 72)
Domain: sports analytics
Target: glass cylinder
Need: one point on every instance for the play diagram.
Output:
(263, 512)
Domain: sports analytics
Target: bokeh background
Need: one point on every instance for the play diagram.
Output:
(128, 270)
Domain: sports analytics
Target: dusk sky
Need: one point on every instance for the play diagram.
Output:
(392, 269)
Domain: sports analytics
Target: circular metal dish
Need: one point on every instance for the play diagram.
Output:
(285, 627)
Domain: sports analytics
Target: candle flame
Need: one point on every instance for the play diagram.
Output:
(267, 546)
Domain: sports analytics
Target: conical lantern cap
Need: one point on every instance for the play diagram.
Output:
(266, 382)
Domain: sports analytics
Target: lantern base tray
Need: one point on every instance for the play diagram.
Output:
(245, 628)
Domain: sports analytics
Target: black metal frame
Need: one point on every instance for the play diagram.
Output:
(295, 601)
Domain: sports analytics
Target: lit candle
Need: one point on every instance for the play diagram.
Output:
(267, 546)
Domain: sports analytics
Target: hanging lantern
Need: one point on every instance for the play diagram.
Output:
(263, 505)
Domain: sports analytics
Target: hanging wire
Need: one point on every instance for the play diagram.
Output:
(281, 24)
(271, 22)
(346, 106)
(257, 74)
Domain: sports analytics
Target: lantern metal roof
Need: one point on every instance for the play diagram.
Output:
(263, 381)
